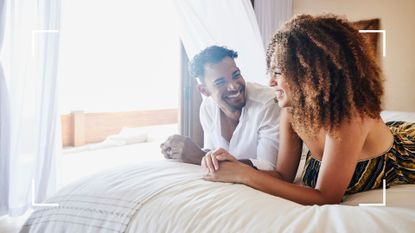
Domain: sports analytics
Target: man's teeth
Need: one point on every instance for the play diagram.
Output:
(234, 95)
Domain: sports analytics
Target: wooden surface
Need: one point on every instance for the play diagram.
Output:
(370, 24)
(79, 128)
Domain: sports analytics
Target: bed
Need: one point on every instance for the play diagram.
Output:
(166, 196)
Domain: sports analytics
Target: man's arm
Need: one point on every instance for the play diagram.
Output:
(183, 149)
(206, 115)
(247, 162)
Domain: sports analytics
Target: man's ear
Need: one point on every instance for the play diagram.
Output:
(202, 89)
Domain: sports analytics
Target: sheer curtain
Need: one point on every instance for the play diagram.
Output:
(271, 14)
(31, 135)
(4, 122)
(229, 23)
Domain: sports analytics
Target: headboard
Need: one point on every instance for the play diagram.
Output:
(370, 24)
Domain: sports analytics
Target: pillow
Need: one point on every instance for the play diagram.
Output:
(128, 136)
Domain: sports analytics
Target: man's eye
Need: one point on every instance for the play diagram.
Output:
(236, 76)
(219, 83)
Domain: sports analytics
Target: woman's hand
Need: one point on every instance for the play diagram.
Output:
(211, 160)
(231, 170)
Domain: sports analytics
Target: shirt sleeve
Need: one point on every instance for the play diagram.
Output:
(268, 138)
(206, 120)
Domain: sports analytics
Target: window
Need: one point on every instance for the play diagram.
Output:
(119, 63)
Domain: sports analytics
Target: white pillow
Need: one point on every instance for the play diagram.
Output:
(397, 116)
(128, 136)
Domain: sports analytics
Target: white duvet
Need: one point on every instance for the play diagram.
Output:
(166, 196)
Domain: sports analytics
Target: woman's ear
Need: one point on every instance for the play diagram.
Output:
(202, 89)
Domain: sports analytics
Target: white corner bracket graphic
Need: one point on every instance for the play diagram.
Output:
(383, 36)
(40, 204)
(384, 198)
(34, 33)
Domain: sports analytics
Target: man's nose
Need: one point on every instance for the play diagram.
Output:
(233, 86)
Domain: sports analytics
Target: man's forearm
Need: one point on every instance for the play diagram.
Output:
(206, 150)
(197, 158)
(247, 162)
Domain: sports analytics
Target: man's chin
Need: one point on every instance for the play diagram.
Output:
(237, 106)
(239, 103)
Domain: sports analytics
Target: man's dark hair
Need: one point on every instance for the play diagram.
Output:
(210, 55)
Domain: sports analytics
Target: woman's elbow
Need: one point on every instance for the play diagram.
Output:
(324, 198)
(330, 199)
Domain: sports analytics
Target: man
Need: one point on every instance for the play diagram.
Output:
(239, 117)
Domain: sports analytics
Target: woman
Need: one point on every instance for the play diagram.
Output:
(329, 87)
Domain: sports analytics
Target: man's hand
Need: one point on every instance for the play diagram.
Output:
(183, 149)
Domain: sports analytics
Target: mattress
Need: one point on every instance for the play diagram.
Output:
(166, 196)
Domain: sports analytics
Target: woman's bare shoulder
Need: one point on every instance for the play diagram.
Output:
(357, 123)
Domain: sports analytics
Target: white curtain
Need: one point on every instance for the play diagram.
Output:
(4, 122)
(271, 14)
(230, 23)
(29, 102)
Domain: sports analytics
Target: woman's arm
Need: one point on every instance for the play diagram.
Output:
(236, 172)
(339, 161)
(290, 149)
(289, 155)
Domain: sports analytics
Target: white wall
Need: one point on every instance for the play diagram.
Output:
(398, 19)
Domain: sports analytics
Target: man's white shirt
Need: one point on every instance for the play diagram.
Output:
(256, 136)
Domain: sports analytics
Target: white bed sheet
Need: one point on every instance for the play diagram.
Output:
(200, 206)
(164, 196)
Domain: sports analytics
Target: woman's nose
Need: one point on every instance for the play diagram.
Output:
(273, 82)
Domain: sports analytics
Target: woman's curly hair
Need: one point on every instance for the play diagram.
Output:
(330, 70)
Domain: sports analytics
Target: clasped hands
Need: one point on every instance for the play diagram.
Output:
(223, 167)
(219, 164)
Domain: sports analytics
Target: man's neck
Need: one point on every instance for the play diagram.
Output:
(231, 115)
(228, 124)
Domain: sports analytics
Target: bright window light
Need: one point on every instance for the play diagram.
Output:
(118, 56)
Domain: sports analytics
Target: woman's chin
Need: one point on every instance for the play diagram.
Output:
(283, 103)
